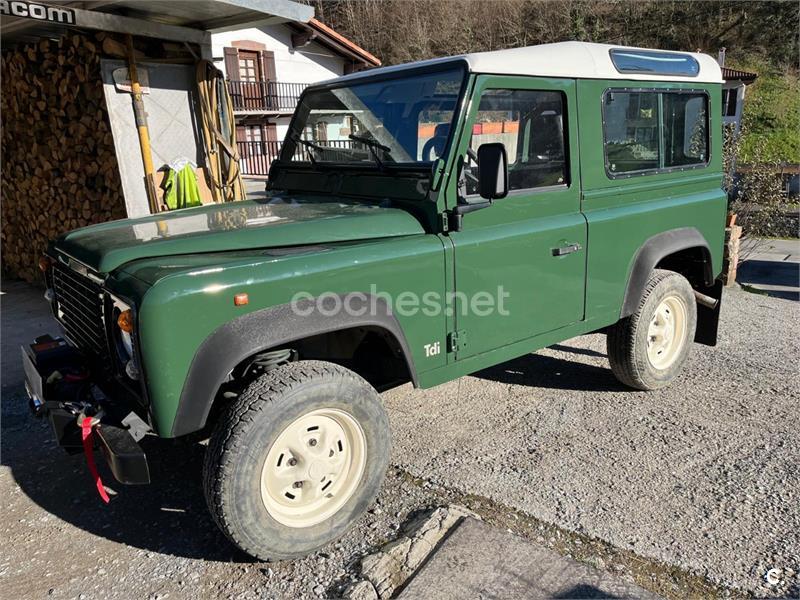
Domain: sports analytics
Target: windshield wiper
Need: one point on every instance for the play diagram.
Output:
(296, 138)
(372, 145)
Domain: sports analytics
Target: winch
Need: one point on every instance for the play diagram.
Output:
(61, 388)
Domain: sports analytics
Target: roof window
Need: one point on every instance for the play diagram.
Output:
(654, 63)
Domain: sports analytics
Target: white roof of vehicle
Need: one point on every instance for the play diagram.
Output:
(573, 60)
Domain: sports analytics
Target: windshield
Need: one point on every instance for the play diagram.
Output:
(403, 120)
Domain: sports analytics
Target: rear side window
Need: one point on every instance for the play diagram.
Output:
(631, 135)
(685, 129)
(647, 131)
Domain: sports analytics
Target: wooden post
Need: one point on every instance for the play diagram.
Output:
(731, 256)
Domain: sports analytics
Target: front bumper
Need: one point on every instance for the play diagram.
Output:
(60, 387)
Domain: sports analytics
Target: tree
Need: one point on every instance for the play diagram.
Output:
(404, 30)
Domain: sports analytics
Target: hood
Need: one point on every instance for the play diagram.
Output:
(245, 225)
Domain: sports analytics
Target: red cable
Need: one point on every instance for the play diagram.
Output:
(88, 450)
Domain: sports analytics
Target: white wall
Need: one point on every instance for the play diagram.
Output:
(740, 90)
(281, 127)
(309, 64)
(171, 114)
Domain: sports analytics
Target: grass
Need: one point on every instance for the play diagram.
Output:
(771, 112)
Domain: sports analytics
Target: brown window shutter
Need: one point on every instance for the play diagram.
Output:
(268, 65)
(271, 132)
(231, 63)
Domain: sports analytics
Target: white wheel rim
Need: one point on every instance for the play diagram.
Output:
(313, 467)
(666, 333)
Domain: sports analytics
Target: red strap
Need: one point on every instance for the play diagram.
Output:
(88, 450)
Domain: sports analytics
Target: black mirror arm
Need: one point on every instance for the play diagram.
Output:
(463, 209)
(455, 220)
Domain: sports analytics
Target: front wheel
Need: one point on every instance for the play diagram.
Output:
(296, 459)
(648, 349)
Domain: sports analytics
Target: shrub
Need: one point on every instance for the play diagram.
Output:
(755, 192)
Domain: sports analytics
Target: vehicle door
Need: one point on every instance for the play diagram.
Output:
(520, 263)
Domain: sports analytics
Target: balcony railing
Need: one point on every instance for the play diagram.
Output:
(256, 157)
(266, 96)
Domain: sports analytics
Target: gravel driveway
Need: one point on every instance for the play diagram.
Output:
(702, 476)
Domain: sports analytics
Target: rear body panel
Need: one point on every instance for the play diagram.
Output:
(623, 213)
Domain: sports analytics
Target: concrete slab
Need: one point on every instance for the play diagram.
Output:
(255, 188)
(24, 314)
(480, 561)
(771, 266)
(775, 249)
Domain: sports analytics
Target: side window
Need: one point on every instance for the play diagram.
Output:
(530, 123)
(631, 131)
(647, 131)
(685, 129)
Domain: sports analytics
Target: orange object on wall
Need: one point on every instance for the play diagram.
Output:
(492, 127)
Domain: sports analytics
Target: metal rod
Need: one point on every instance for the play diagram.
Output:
(706, 301)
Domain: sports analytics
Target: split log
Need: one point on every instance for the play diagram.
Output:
(59, 165)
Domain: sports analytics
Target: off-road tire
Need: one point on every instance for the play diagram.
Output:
(627, 340)
(245, 433)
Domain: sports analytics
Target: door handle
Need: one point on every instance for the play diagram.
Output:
(566, 249)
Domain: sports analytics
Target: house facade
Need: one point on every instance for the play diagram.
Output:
(267, 67)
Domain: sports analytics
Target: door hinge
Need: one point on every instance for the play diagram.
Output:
(457, 341)
(444, 221)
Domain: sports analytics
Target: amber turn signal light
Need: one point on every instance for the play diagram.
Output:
(125, 321)
(45, 262)
(240, 299)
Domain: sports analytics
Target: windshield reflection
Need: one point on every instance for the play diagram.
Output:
(403, 120)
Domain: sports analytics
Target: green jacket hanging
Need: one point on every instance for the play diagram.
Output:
(180, 188)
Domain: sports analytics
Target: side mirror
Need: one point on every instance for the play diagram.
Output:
(492, 171)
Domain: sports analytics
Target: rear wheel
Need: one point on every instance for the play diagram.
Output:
(296, 459)
(648, 349)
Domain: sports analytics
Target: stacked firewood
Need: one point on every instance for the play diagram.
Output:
(59, 168)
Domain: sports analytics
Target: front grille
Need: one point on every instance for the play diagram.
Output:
(79, 308)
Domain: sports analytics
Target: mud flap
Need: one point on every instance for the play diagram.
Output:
(708, 318)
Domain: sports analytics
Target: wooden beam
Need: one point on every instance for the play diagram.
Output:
(87, 19)
(283, 9)
(119, 24)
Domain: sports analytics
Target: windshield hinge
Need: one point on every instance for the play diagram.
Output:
(444, 221)
(457, 340)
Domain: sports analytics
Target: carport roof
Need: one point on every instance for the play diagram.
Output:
(179, 21)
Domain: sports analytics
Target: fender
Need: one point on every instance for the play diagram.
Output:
(654, 250)
(233, 342)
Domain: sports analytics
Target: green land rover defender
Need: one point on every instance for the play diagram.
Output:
(422, 222)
